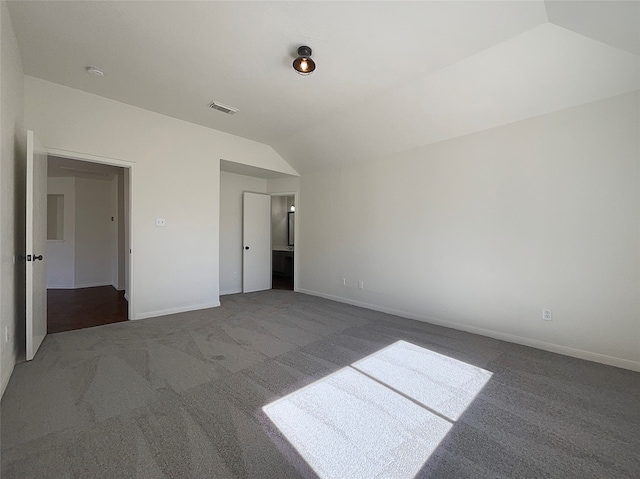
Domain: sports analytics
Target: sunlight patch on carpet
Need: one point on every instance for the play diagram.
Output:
(383, 417)
(442, 384)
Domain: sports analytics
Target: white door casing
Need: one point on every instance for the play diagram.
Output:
(36, 239)
(256, 237)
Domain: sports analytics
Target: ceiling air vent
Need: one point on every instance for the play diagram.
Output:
(229, 110)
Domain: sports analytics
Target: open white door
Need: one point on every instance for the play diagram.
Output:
(36, 310)
(256, 236)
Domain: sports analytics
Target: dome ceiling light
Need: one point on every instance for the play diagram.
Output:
(304, 65)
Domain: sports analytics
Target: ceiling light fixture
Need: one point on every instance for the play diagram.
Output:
(96, 72)
(304, 65)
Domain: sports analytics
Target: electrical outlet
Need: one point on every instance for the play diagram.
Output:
(360, 284)
(161, 222)
(546, 315)
(343, 281)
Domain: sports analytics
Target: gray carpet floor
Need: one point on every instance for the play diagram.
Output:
(181, 396)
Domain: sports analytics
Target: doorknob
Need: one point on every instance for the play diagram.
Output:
(36, 258)
(246, 247)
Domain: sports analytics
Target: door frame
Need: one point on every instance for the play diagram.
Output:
(74, 155)
(295, 234)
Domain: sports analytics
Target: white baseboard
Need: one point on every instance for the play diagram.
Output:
(92, 285)
(60, 286)
(78, 286)
(183, 309)
(230, 291)
(534, 343)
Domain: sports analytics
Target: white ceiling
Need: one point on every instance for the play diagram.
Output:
(391, 75)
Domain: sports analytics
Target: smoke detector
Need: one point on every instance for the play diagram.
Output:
(96, 72)
(229, 110)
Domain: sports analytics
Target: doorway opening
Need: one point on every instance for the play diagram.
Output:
(283, 213)
(238, 264)
(87, 246)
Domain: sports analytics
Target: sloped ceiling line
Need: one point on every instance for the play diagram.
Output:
(391, 76)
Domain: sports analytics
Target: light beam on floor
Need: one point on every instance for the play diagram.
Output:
(383, 416)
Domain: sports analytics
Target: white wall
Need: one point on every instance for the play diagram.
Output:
(90, 253)
(60, 255)
(12, 174)
(176, 177)
(484, 231)
(284, 185)
(94, 236)
(231, 188)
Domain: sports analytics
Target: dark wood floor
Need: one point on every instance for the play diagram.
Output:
(282, 282)
(69, 309)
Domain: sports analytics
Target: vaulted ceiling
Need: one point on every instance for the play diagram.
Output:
(391, 76)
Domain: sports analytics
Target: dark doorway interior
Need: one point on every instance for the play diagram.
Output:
(69, 309)
(282, 269)
(282, 241)
(282, 282)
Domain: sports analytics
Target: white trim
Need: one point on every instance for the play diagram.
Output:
(534, 343)
(183, 309)
(91, 285)
(74, 155)
(230, 291)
